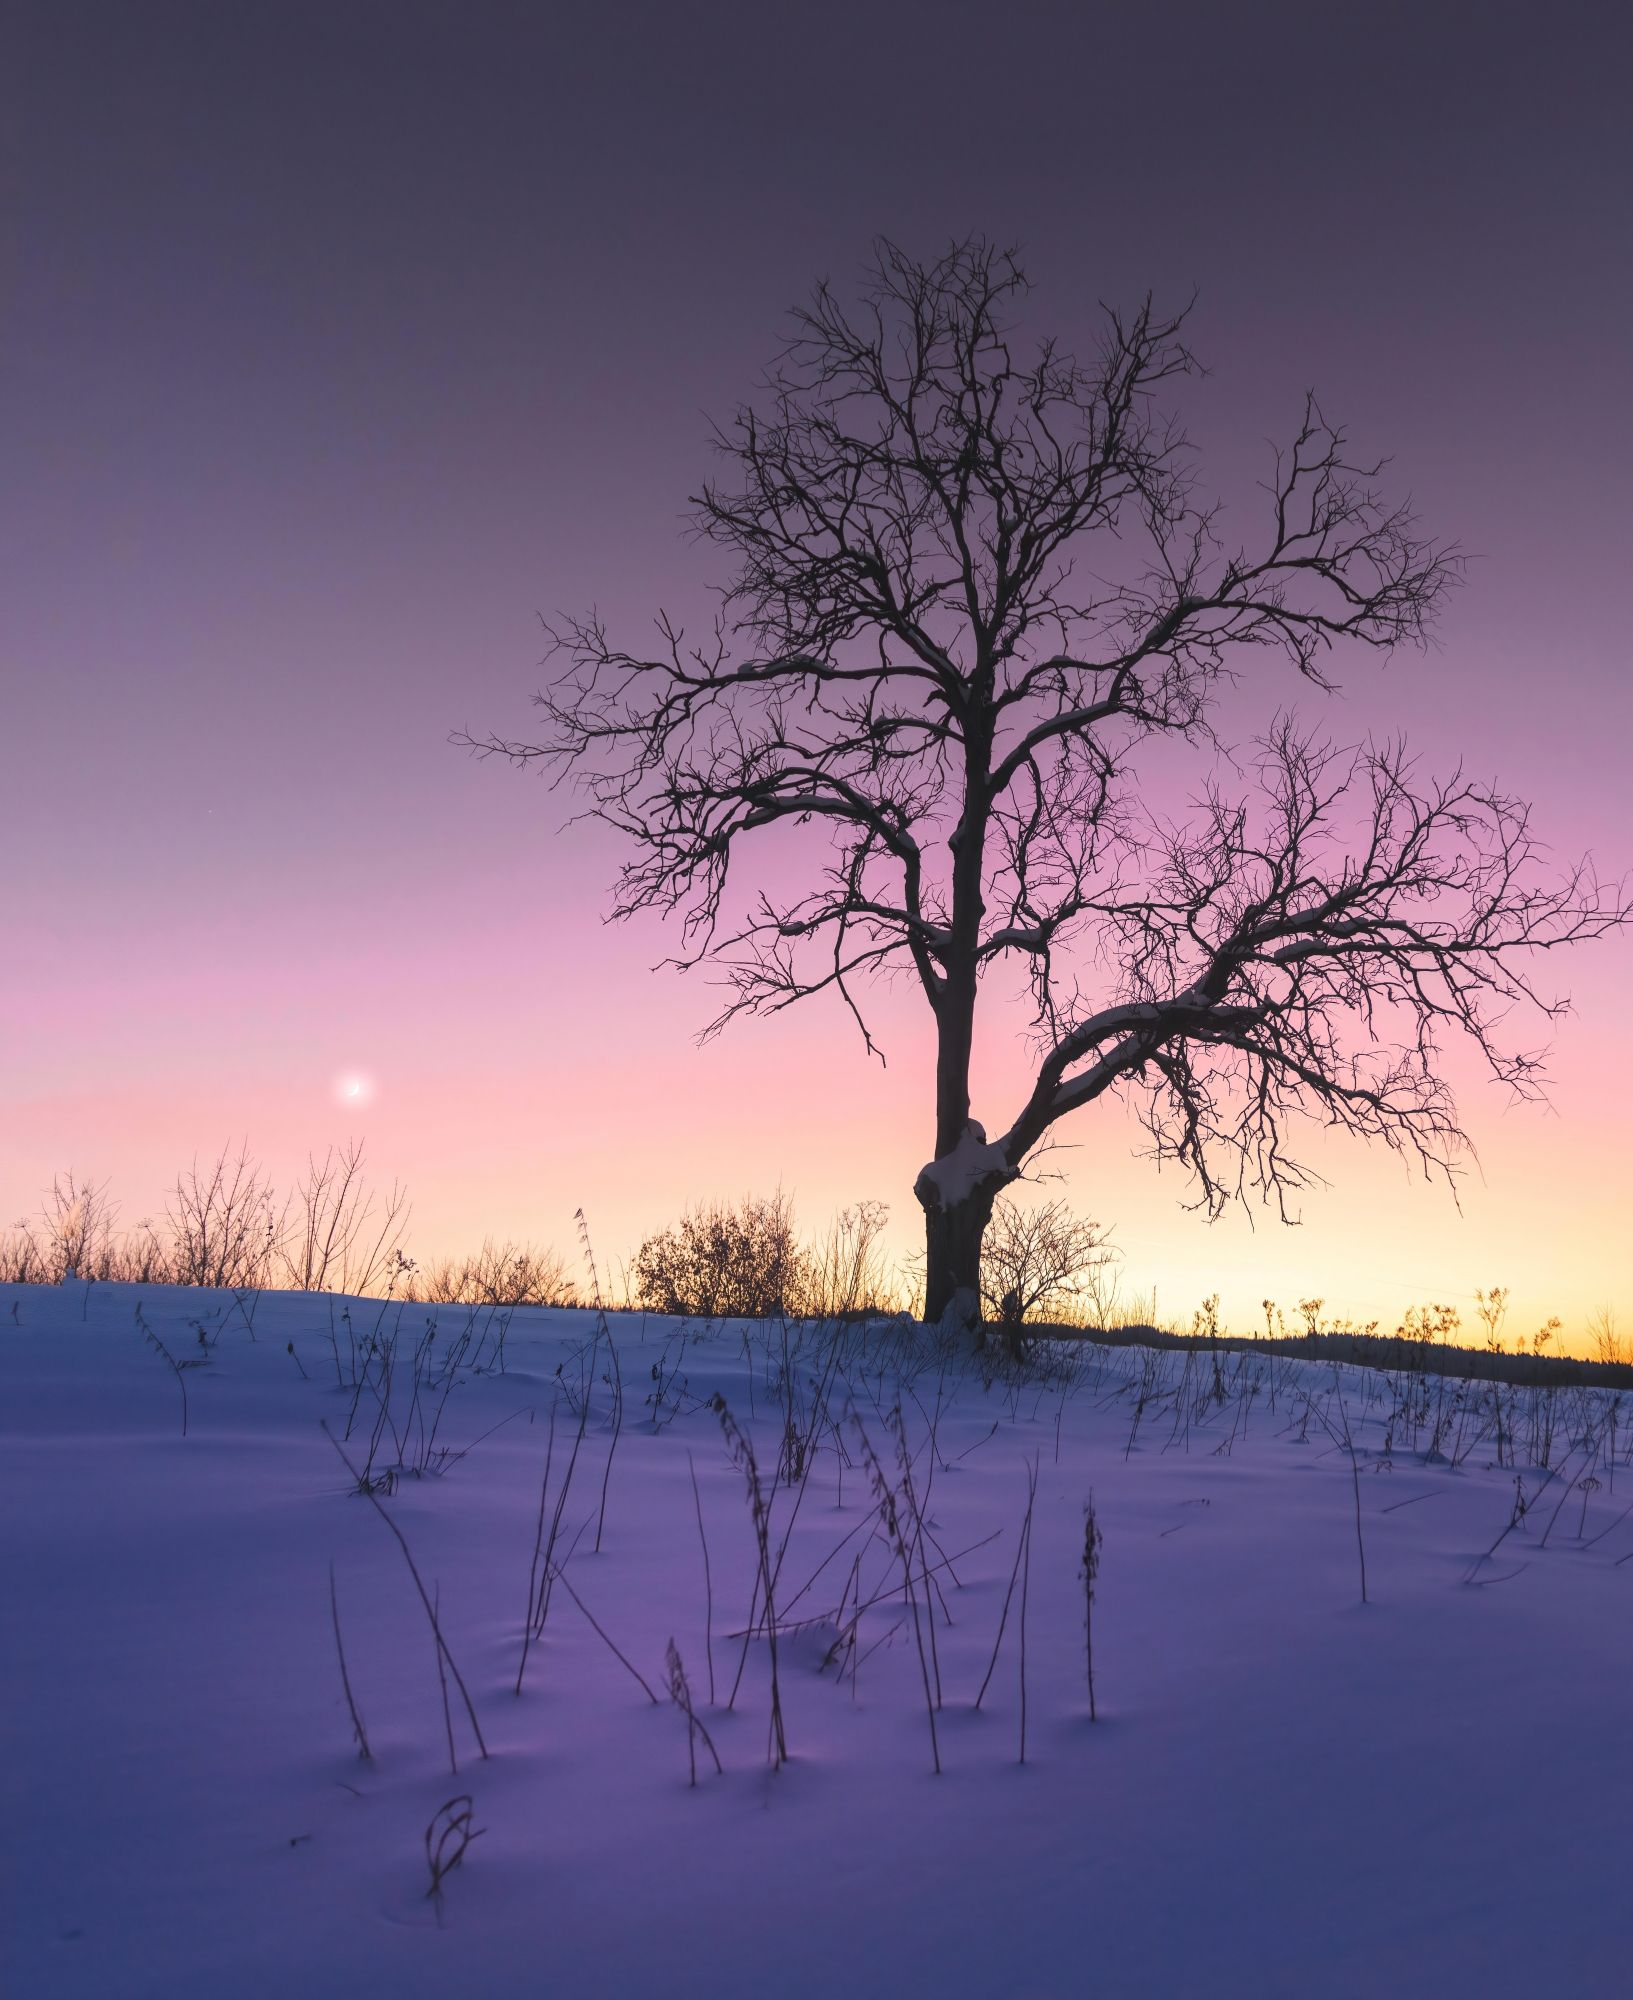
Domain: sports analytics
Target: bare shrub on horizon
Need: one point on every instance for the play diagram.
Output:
(724, 1260)
(338, 1237)
(72, 1233)
(1036, 1262)
(1608, 1344)
(845, 1268)
(500, 1273)
(226, 1227)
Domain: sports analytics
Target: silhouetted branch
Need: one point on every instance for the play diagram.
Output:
(967, 585)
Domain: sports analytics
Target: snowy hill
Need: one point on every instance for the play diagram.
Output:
(1287, 1790)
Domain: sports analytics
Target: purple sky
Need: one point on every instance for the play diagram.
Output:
(342, 340)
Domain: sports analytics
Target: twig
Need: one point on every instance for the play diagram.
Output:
(1026, 1579)
(363, 1749)
(443, 1653)
(1092, 1540)
(447, 1837)
(742, 1452)
(708, 1580)
(538, 1547)
(606, 1639)
(159, 1347)
(617, 1421)
(442, 1676)
(680, 1694)
(1014, 1575)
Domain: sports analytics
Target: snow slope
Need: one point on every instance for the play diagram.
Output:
(1286, 1792)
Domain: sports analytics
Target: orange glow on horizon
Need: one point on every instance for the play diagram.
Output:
(511, 1149)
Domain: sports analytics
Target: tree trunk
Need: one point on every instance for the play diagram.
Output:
(960, 1185)
(952, 1264)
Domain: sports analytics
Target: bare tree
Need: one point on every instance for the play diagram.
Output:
(968, 586)
(1036, 1260)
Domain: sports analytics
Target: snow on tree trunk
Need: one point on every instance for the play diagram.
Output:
(957, 1193)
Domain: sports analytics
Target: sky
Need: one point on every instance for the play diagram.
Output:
(340, 343)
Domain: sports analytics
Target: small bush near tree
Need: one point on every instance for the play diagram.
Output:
(1037, 1263)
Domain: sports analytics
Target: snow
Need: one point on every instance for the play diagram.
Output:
(1287, 1792)
(956, 1175)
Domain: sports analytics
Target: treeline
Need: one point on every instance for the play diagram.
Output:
(1522, 1367)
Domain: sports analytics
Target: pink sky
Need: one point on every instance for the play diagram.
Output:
(336, 359)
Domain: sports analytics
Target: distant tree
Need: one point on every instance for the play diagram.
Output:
(969, 587)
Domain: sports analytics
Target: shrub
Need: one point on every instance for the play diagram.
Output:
(501, 1274)
(226, 1226)
(725, 1260)
(845, 1272)
(1037, 1263)
(338, 1237)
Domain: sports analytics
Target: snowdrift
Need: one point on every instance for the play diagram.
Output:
(1287, 1790)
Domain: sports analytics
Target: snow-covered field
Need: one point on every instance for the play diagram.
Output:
(1287, 1791)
